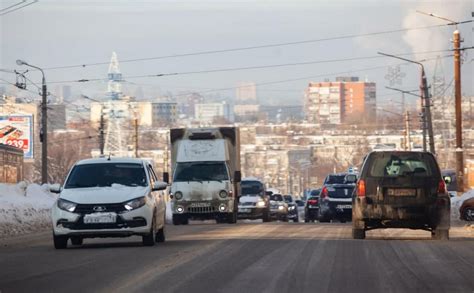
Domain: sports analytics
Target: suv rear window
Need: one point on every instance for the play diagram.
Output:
(385, 164)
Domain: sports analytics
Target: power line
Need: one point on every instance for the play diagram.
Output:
(11, 6)
(247, 67)
(10, 11)
(258, 46)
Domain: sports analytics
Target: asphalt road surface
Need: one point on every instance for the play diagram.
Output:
(247, 257)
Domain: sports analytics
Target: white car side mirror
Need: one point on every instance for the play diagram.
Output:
(159, 186)
(55, 188)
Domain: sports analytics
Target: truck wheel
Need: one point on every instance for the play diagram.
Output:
(160, 235)
(358, 233)
(440, 234)
(266, 217)
(76, 240)
(232, 218)
(60, 242)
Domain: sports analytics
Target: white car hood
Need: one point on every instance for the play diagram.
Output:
(249, 198)
(114, 194)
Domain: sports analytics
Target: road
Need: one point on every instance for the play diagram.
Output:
(247, 257)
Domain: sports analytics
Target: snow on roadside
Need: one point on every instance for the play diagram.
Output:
(24, 208)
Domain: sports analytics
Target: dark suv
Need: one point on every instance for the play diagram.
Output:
(336, 197)
(401, 189)
(311, 208)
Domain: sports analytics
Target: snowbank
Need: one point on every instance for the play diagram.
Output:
(24, 208)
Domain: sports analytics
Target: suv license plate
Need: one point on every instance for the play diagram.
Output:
(244, 210)
(99, 218)
(401, 192)
(344, 206)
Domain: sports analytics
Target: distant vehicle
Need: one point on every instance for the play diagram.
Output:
(253, 203)
(114, 197)
(278, 207)
(311, 210)
(401, 189)
(466, 211)
(206, 174)
(335, 199)
(449, 176)
(292, 208)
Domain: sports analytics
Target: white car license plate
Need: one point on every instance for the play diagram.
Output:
(343, 206)
(244, 210)
(99, 218)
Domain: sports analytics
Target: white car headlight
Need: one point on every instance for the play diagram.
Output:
(260, 204)
(135, 203)
(223, 194)
(178, 195)
(291, 208)
(281, 207)
(66, 205)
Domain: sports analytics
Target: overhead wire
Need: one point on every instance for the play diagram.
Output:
(10, 11)
(259, 46)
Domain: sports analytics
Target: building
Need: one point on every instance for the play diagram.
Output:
(347, 100)
(246, 93)
(164, 113)
(210, 112)
(246, 112)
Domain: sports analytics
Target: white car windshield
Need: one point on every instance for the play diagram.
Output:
(106, 174)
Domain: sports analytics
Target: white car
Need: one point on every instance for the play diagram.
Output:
(109, 197)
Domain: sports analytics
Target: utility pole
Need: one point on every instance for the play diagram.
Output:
(457, 97)
(44, 124)
(427, 107)
(426, 103)
(101, 132)
(135, 123)
(407, 129)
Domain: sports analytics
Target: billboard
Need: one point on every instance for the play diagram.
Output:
(17, 131)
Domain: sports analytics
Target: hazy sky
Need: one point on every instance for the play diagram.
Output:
(59, 33)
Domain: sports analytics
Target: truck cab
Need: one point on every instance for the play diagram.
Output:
(206, 174)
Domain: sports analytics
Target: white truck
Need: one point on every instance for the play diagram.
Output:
(205, 165)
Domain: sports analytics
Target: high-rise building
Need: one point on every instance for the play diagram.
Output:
(164, 113)
(246, 93)
(347, 100)
(209, 112)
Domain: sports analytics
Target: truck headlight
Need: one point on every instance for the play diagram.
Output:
(178, 195)
(135, 203)
(222, 207)
(66, 205)
(223, 194)
(260, 204)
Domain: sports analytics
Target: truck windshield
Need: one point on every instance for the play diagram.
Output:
(252, 187)
(106, 174)
(201, 171)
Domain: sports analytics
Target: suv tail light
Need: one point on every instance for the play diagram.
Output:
(442, 187)
(361, 188)
(324, 192)
(313, 201)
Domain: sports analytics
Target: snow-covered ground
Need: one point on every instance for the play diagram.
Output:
(26, 208)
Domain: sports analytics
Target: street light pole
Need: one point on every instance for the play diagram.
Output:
(44, 124)
(426, 103)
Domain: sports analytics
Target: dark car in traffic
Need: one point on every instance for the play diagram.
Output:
(311, 208)
(401, 189)
(292, 208)
(335, 199)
